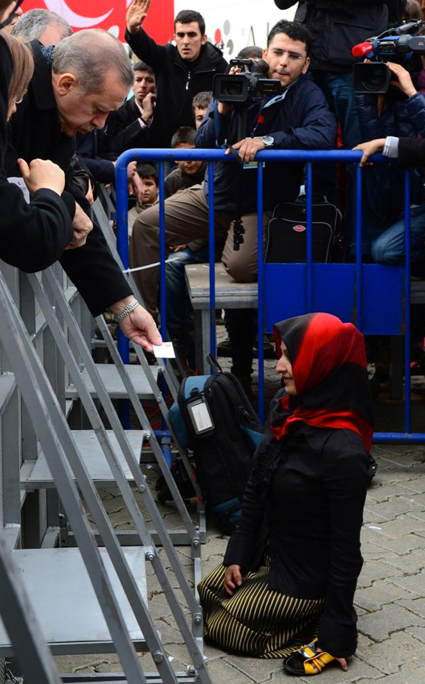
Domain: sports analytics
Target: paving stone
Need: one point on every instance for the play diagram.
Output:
(373, 570)
(223, 671)
(402, 546)
(380, 624)
(417, 632)
(412, 673)
(415, 583)
(389, 655)
(388, 510)
(416, 605)
(379, 594)
(257, 668)
(411, 564)
(401, 526)
(385, 491)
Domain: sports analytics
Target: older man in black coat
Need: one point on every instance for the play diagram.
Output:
(88, 76)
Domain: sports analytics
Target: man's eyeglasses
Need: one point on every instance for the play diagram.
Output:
(293, 56)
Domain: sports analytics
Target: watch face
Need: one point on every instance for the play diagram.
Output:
(268, 140)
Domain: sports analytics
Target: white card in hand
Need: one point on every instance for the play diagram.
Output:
(164, 351)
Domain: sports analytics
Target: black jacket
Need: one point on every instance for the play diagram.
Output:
(123, 130)
(411, 151)
(302, 121)
(32, 236)
(337, 25)
(305, 498)
(36, 132)
(177, 80)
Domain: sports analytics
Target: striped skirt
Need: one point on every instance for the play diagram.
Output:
(256, 621)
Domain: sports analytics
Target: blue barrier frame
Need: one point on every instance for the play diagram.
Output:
(310, 272)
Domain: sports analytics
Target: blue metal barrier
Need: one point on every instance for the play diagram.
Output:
(376, 298)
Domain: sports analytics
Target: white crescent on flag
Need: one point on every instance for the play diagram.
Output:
(76, 20)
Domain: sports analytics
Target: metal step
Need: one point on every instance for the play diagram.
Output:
(65, 604)
(113, 383)
(92, 454)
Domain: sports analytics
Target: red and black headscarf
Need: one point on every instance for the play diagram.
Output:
(329, 367)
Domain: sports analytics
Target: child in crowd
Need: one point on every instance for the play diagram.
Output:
(188, 173)
(149, 178)
(200, 104)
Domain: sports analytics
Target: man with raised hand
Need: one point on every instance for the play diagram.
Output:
(182, 70)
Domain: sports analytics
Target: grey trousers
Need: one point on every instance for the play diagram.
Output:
(186, 219)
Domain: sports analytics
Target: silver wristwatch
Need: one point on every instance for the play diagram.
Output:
(126, 311)
(268, 140)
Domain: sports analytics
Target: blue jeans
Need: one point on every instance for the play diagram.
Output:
(389, 247)
(179, 311)
(338, 89)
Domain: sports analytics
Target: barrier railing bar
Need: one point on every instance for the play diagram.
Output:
(211, 245)
(309, 289)
(162, 291)
(359, 280)
(407, 316)
(260, 335)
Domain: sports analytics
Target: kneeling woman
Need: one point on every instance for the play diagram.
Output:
(290, 570)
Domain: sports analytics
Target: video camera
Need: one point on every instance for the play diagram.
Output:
(244, 88)
(396, 45)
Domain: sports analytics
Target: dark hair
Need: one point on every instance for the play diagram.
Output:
(202, 99)
(294, 30)
(148, 171)
(185, 135)
(187, 16)
(142, 66)
(412, 11)
(250, 52)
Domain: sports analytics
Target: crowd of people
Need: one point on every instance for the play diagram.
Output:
(66, 116)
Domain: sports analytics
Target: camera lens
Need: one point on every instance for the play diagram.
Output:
(234, 87)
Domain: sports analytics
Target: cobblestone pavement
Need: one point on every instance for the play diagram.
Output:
(390, 598)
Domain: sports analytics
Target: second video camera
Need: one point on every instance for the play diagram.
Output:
(245, 87)
(394, 45)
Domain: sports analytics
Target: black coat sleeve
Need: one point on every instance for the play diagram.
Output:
(411, 151)
(95, 273)
(32, 236)
(147, 50)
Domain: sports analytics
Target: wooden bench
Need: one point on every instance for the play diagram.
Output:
(228, 295)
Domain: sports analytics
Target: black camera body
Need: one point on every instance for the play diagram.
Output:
(245, 87)
(394, 45)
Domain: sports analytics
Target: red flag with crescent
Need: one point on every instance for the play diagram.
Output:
(110, 15)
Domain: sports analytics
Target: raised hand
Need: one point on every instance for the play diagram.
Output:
(136, 14)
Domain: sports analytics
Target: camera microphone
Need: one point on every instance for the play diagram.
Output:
(362, 49)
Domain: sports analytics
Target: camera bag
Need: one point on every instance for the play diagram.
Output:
(223, 430)
(287, 231)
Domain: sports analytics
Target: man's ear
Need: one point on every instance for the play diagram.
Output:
(204, 39)
(64, 83)
(306, 65)
(265, 52)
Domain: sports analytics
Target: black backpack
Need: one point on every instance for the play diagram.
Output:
(215, 419)
(287, 232)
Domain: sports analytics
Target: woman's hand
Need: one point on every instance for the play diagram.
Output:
(404, 82)
(42, 174)
(136, 14)
(370, 148)
(232, 579)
